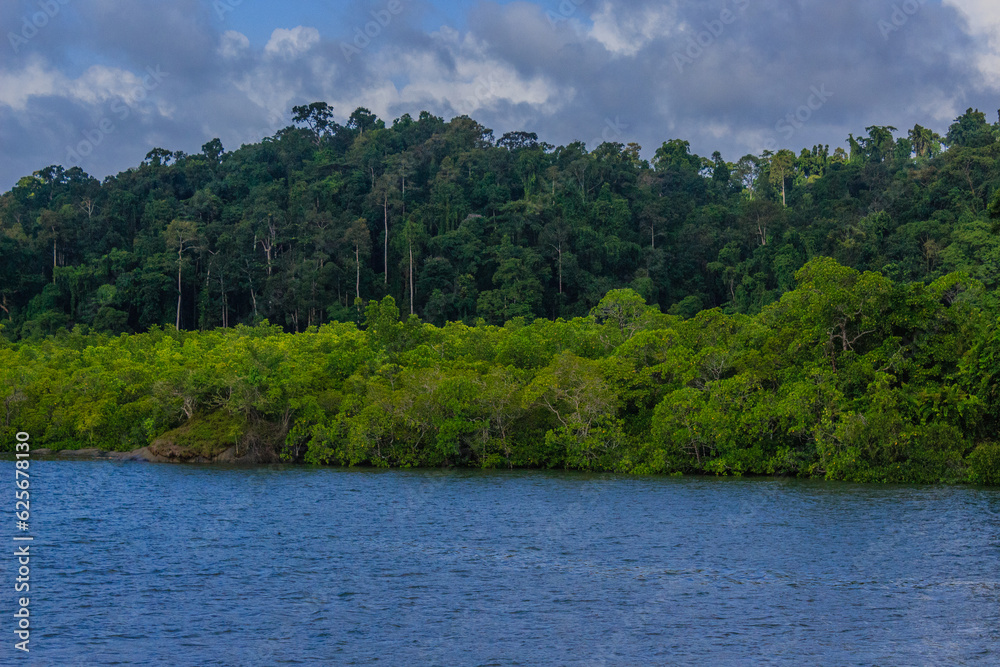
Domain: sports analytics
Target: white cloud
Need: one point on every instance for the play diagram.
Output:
(627, 33)
(468, 81)
(984, 14)
(266, 90)
(96, 85)
(99, 84)
(290, 44)
(513, 69)
(984, 21)
(474, 81)
(34, 79)
(233, 44)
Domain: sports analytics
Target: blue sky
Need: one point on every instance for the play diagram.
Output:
(337, 18)
(98, 83)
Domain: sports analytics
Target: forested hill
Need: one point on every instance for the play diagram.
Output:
(456, 224)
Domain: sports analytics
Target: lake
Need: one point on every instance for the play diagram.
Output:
(211, 565)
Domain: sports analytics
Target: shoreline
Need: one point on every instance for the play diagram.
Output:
(141, 455)
(228, 457)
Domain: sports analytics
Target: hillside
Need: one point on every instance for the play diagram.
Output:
(458, 225)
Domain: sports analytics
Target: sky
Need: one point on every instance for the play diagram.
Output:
(98, 83)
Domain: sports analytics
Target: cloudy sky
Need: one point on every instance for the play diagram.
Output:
(98, 83)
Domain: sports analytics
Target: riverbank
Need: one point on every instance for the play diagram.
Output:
(150, 454)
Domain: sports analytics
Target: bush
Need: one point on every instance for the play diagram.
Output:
(984, 464)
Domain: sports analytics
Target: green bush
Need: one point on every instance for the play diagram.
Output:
(984, 464)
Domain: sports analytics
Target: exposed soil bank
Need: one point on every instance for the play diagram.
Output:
(158, 452)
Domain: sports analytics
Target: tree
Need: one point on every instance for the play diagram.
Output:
(183, 235)
(159, 157)
(318, 117)
(721, 170)
(413, 235)
(575, 392)
(879, 145)
(513, 141)
(838, 308)
(970, 130)
(382, 322)
(518, 290)
(926, 143)
(362, 120)
(556, 235)
(384, 194)
(781, 168)
(359, 240)
(213, 151)
(624, 311)
(53, 225)
(676, 155)
(759, 217)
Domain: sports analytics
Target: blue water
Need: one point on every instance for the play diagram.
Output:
(199, 565)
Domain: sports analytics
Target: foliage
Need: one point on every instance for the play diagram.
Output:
(457, 226)
(422, 294)
(849, 376)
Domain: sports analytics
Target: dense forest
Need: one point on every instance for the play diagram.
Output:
(427, 294)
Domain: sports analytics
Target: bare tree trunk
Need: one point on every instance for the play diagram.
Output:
(268, 245)
(411, 277)
(385, 258)
(312, 307)
(558, 249)
(225, 302)
(253, 293)
(357, 265)
(560, 267)
(179, 257)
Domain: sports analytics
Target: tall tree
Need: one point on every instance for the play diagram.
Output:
(318, 117)
(359, 240)
(926, 143)
(183, 235)
(781, 168)
(970, 130)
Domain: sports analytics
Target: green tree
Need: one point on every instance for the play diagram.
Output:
(182, 235)
(970, 130)
(781, 166)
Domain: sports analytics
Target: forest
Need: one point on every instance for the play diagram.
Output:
(425, 294)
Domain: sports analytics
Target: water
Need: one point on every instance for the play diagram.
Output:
(199, 565)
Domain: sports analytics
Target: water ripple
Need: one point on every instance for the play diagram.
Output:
(149, 564)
